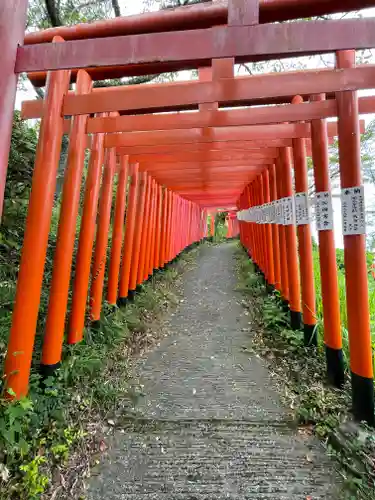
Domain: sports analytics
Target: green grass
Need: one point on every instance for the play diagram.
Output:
(342, 299)
(55, 429)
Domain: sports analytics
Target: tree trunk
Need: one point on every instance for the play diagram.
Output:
(116, 8)
(53, 13)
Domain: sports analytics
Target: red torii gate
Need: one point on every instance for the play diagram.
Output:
(151, 43)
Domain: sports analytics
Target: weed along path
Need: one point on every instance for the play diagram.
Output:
(210, 425)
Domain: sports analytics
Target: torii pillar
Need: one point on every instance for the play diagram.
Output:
(12, 31)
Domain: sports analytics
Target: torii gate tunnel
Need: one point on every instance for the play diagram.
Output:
(180, 150)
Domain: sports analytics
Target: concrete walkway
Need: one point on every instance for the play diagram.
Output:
(211, 425)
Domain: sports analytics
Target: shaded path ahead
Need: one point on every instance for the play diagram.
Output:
(211, 424)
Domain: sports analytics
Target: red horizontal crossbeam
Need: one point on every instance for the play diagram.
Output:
(238, 186)
(172, 152)
(197, 172)
(223, 204)
(227, 89)
(210, 194)
(228, 118)
(214, 118)
(157, 162)
(231, 199)
(32, 109)
(244, 43)
(286, 131)
(232, 146)
(180, 188)
(216, 202)
(205, 198)
(275, 114)
(219, 181)
(194, 17)
(231, 170)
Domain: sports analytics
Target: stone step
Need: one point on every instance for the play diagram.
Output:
(211, 459)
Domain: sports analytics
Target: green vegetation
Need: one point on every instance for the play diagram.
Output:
(21, 164)
(300, 375)
(58, 426)
(342, 294)
(273, 335)
(220, 227)
(49, 439)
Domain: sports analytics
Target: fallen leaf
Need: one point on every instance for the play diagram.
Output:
(4, 473)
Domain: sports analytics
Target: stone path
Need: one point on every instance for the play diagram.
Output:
(211, 425)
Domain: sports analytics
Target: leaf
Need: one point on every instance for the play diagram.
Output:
(15, 412)
(102, 446)
(49, 382)
(8, 435)
(4, 473)
(23, 445)
(26, 403)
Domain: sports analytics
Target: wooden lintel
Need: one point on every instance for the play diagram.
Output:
(245, 43)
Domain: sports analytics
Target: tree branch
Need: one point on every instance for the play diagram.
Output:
(246, 67)
(53, 13)
(39, 92)
(116, 8)
(82, 6)
(172, 4)
(135, 80)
